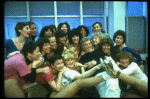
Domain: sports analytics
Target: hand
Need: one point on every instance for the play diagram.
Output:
(78, 64)
(46, 70)
(118, 63)
(108, 58)
(99, 66)
(39, 61)
(82, 53)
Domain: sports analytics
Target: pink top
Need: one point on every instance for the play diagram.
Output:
(15, 67)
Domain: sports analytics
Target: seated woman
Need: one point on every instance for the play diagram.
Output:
(61, 38)
(53, 44)
(69, 87)
(127, 66)
(16, 71)
(83, 30)
(119, 38)
(71, 64)
(16, 44)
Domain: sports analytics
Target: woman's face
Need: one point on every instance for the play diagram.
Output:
(46, 48)
(75, 39)
(53, 43)
(35, 54)
(106, 48)
(124, 62)
(65, 50)
(25, 31)
(64, 28)
(69, 62)
(58, 65)
(96, 40)
(48, 32)
(97, 28)
(62, 39)
(83, 32)
(119, 40)
(33, 29)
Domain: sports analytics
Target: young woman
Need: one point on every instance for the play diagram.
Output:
(16, 71)
(96, 38)
(32, 27)
(83, 30)
(53, 44)
(97, 27)
(61, 38)
(46, 30)
(74, 39)
(22, 29)
(70, 87)
(72, 64)
(107, 46)
(127, 66)
(65, 27)
(119, 38)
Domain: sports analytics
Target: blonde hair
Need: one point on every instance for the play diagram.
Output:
(67, 55)
(99, 35)
(71, 49)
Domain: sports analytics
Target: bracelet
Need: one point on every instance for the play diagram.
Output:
(118, 73)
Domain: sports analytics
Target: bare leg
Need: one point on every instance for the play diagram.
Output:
(12, 89)
(71, 89)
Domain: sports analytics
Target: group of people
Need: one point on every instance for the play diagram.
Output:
(69, 61)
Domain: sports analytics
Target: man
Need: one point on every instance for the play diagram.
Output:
(109, 88)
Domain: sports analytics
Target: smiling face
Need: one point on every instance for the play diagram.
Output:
(97, 28)
(87, 46)
(124, 62)
(83, 32)
(119, 40)
(62, 39)
(32, 29)
(58, 65)
(106, 48)
(64, 28)
(48, 32)
(96, 40)
(46, 48)
(25, 31)
(69, 62)
(53, 44)
(35, 54)
(75, 39)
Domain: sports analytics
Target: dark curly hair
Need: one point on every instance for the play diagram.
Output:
(59, 33)
(45, 28)
(112, 49)
(20, 25)
(72, 33)
(82, 26)
(125, 54)
(60, 25)
(120, 32)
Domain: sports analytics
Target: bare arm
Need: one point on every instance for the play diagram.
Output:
(56, 85)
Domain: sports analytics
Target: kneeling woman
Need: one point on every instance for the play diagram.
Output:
(69, 87)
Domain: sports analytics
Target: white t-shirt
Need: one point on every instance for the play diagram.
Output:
(68, 76)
